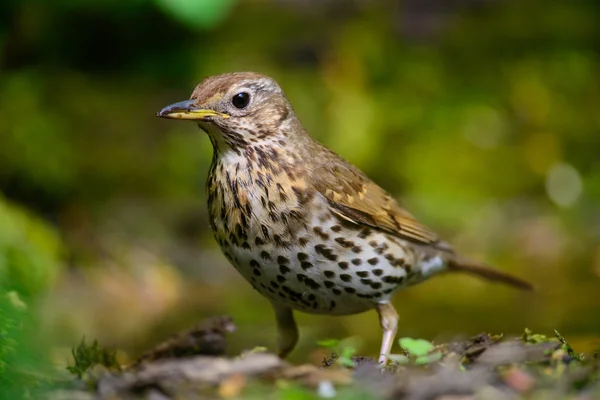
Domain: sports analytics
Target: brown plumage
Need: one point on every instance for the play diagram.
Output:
(306, 228)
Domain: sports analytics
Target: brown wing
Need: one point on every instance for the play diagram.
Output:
(356, 198)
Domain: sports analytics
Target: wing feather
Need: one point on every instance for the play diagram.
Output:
(355, 198)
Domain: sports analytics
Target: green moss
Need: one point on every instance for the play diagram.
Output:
(88, 356)
(579, 357)
(535, 338)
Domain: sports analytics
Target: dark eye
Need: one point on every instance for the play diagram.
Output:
(241, 100)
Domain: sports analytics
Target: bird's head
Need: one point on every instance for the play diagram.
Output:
(236, 110)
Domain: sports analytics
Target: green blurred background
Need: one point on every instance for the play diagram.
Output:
(483, 116)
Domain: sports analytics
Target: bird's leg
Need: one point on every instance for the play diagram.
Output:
(287, 330)
(388, 318)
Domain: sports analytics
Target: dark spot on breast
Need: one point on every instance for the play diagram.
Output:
(328, 284)
(319, 231)
(328, 254)
(388, 291)
(301, 277)
(306, 265)
(378, 272)
(363, 274)
(246, 246)
(343, 265)
(373, 261)
(284, 269)
(356, 249)
(238, 230)
(283, 260)
(244, 221)
(275, 284)
(356, 261)
(346, 277)
(254, 264)
(233, 239)
(343, 242)
(336, 291)
(349, 290)
(311, 283)
(398, 262)
(265, 255)
(336, 228)
(282, 196)
(278, 241)
(302, 257)
(393, 279)
(303, 196)
(312, 297)
(332, 305)
(265, 231)
(364, 233)
(303, 241)
(274, 217)
(319, 248)
(373, 243)
(258, 241)
(376, 285)
(256, 272)
(294, 214)
(329, 274)
(366, 281)
(281, 278)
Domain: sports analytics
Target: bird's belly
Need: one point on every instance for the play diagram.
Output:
(330, 266)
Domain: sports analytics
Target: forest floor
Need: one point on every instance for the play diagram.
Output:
(190, 365)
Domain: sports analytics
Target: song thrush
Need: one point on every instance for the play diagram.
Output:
(307, 229)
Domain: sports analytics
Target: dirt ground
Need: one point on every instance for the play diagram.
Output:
(191, 365)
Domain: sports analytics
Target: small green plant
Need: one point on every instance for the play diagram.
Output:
(87, 356)
(534, 338)
(418, 352)
(579, 357)
(343, 351)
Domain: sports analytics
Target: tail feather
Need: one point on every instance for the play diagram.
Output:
(461, 265)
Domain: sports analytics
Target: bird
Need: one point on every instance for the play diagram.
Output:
(308, 229)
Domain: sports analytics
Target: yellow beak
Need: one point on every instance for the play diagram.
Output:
(188, 110)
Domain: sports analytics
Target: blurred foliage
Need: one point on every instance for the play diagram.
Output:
(198, 13)
(29, 252)
(482, 116)
(29, 264)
